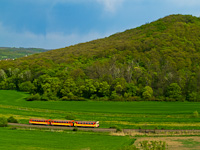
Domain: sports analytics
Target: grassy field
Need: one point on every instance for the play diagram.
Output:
(150, 115)
(50, 140)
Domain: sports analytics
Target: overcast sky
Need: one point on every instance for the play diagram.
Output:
(55, 24)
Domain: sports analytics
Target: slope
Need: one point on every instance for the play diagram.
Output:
(156, 61)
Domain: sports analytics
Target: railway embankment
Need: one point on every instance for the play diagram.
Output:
(157, 131)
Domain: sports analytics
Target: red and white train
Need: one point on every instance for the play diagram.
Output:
(68, 123)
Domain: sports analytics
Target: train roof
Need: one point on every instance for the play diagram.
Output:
(61, 120)
(85, 121)
(39, 119)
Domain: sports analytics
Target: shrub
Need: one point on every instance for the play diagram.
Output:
(3, 122)
(70, 117)
(26, 86)
(75, 129)
(113, 127)
(44, 98)
(118, 129)
(195, 114)
(147, 92)
(134, 98)
(11, 119)
(33, 97)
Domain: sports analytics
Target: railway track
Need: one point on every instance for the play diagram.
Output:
(101, 129)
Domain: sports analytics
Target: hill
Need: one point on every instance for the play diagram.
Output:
(13, 53)
(156, 61)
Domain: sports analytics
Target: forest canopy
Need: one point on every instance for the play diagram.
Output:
(156, 61)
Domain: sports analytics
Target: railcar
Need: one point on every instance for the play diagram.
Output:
(40, 121)
(69, 123)
(92, 124)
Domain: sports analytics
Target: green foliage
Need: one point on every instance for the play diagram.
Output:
(118, 129)
(70, 117)
(3, 122)
(33, 97)
(196, 114)
(147, 92)
(11, 119)
(26, 86)
(156, 61)
(174, 91)
(193, 97)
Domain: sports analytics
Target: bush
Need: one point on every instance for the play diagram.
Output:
(75, 129)
(3, 122)
(11, 119)
(134, 98)
(113, 127)
(75, 98)
(195, 114)
(118, 129)
(70, 117)
(26, 86)
(35, 97)
(44, 98)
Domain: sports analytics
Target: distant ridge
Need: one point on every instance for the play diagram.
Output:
(13, 52)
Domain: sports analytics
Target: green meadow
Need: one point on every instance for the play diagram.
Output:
(51, 140)
(147, 114)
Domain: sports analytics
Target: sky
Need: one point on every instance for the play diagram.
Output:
(53, 24)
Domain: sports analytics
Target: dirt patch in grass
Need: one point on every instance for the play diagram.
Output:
(174, 143)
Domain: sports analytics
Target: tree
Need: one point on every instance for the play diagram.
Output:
(88, 88)
(104, 89)
(27, 86)
(174, 91)
(69, 88)
(147, 92)
(3, 122)
(2, 75)
(131, 89)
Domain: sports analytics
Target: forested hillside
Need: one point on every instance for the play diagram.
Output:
(156, 61)
(13, 53)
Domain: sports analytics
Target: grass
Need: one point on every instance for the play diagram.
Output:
(51, 140)
(150, 115)
(190, 143)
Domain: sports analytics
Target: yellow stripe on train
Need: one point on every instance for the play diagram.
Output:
(39, 122)
(60, 124)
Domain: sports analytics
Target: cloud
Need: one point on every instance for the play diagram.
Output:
(51, 40)
(111, 5)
